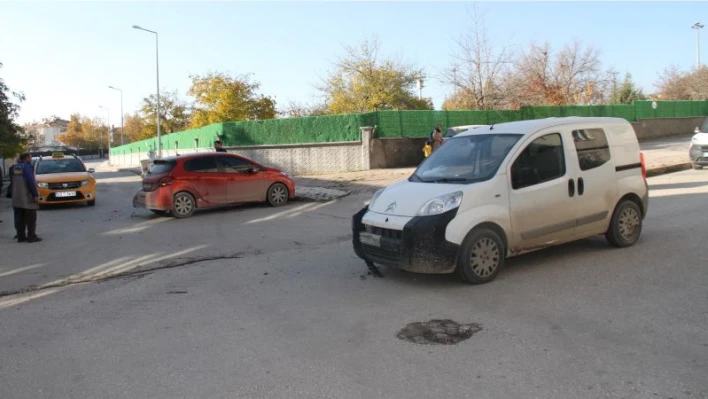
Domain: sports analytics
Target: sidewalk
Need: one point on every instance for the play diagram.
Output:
(661, 156)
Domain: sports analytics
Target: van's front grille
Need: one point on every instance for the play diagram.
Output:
(387, 233)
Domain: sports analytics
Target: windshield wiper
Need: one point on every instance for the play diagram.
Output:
(448, 180)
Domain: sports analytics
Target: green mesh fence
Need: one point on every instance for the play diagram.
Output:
(392, 124)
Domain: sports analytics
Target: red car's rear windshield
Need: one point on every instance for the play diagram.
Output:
(160, 166)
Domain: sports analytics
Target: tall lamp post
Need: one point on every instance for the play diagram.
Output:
(121, 112)
(157, 66)
(108, 123)
(698, 26)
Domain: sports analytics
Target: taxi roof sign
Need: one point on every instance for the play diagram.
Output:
(57, 154)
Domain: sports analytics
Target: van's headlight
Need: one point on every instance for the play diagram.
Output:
(85, 183)
(441, 204)
(43, 185)
(375, 197)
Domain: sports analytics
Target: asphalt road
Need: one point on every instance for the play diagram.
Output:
(292, 313)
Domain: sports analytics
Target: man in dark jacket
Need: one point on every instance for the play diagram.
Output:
(218, 147)
(25, 199)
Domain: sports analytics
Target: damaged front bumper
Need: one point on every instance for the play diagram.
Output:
(417, 246)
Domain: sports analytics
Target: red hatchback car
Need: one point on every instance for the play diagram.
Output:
(184, 183)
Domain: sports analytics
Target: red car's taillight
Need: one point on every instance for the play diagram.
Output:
(165, 181)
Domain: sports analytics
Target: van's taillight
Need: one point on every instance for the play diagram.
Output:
(644, 165)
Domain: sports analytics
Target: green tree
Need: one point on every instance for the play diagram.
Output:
(222, 98)
(628, 93)
(361, 82)
(11, 141)
(174, 115)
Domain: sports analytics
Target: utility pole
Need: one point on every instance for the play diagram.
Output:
(698, 26)
(420, 88)
(614, 86)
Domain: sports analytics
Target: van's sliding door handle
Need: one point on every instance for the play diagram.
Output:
(571, 188)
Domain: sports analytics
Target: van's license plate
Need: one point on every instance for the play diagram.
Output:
(370, 239)
(66, 194)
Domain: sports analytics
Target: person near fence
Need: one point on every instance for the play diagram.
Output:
(218, 147)
(437, 138)
(25, 199)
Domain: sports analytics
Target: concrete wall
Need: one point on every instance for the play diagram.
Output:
(648, 129)
(304, 159)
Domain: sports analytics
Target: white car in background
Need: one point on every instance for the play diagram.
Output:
(455, 130)
(698, 150)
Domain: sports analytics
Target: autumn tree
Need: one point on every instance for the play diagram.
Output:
(85, 133)
(223, 98)
(675, 84)
(361, 81)
(572, 75)
(174, 114)
(74, 135)
(11, 140)
(479, 70)
(134, 128)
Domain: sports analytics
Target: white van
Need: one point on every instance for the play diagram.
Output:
(508, 189)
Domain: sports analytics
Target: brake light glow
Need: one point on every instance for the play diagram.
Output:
(644, 165)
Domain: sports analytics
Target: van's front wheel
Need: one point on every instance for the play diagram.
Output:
(481, 257)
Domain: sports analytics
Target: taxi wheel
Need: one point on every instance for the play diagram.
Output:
(481, 257)
(183, 205)
(91, 203)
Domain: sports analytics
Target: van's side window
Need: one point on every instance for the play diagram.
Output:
(592, 148)
(541, 161)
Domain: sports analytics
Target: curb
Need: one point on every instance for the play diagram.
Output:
(662, 170)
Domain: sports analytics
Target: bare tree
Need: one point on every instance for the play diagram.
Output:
(573, 75)
(297, 110)
(479, 71)
(675, 84)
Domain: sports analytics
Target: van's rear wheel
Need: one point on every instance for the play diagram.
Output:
(626, 225)
(481, 257)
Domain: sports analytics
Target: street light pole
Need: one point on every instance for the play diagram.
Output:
(121, 112)
(108, 124)
(698, 26)
(157, 66)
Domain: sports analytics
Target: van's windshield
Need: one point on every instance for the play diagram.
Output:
(466, 159)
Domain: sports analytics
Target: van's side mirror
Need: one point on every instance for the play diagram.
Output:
(92, 170)
(696, 130)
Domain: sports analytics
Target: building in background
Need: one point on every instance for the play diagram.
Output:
(46, 132)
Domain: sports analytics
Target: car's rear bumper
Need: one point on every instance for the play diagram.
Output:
(159, 200)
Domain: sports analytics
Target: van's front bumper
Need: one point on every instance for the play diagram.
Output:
(416, 245)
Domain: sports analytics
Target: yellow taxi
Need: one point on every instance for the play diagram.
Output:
(64, 179)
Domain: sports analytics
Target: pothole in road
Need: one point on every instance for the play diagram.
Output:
(438, 332)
